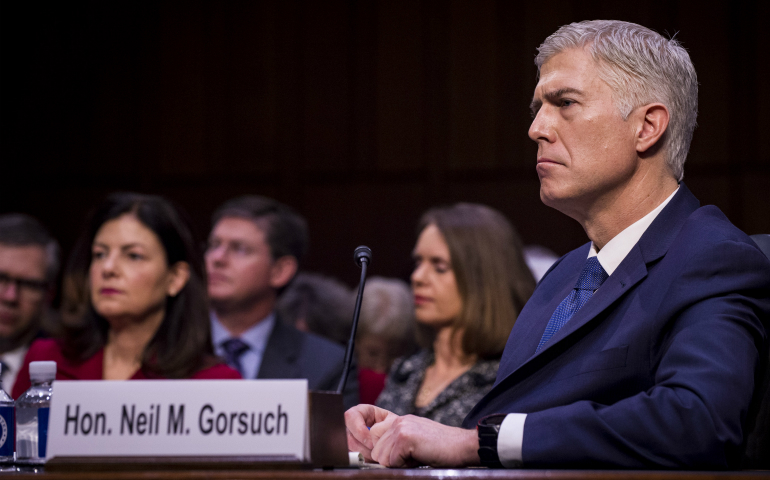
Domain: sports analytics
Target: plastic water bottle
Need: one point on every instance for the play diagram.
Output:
(6, 426)
(32, 410)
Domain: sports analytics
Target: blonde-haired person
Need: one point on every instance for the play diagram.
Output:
(470, 282)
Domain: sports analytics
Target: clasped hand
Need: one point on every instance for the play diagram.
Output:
(408, 441)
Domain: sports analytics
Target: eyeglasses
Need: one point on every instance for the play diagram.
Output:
(237, 249)
(24, 285)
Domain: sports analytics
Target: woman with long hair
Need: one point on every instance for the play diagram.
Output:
(146, 313)
(469, 282)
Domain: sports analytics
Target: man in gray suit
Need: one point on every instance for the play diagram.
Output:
(254, 250)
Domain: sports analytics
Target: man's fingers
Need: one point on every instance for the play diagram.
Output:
(393, 448)
(357, 420)
(355, 446)
(382, 426)
(382, 447)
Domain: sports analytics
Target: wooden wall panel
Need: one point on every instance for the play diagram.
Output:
(761, 96)
(326, 77)
(360, 114)
(185, 51)
(472, 77)
(400, 82)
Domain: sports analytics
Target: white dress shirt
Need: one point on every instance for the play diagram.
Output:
(511, 436)
(12, 361)
(256, 338)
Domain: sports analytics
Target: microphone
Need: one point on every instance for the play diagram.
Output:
(362, 256)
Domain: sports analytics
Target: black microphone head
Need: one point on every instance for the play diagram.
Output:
(362, 254)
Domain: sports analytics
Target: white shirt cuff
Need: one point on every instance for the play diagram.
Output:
(510, 438)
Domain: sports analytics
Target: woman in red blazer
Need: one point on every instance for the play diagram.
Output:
(145, 314)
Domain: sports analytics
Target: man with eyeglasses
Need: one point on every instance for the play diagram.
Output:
(29, 262)
(254, 251)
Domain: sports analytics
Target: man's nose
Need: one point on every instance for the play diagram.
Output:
(541, 128)
(217, 254)
(10, 292)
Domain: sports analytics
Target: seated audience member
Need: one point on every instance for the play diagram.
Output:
(29, 262)
(318, 304)
(148, 316)
(469, 283)
(255, 249)
(386, 331)
(640, 348)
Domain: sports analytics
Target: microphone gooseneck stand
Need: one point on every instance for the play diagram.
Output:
(363, 256)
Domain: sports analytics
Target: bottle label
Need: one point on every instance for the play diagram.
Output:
(42, 430)
(7, 437)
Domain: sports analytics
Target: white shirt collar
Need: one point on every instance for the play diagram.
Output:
(13, 361)
(616, 249)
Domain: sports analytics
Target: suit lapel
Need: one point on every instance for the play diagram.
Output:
(531, 322)
(280, 357)
(651, 246)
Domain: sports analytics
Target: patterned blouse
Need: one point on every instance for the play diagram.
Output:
(451, 405)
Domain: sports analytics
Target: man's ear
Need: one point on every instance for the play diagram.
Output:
(653, 124)
(180, 274)
(283, 270)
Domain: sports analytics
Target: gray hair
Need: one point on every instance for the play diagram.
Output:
(20, 230)
(641, 67)
(387, 311)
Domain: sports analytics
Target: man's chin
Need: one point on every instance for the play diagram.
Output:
(8, 324)
(224, 304)
(6, 330)
(550, 197)
(217, 295)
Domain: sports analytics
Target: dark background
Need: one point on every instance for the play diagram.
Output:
(359, 114)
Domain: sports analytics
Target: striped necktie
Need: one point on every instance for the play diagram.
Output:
(234, 348)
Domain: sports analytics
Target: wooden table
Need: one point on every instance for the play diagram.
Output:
(394, 474)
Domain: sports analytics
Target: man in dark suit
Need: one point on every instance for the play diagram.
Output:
(29, 263)
(254, 250)
(638, 349)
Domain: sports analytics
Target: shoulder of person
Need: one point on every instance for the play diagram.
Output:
(405, 367)
(314, 342)
(708, 234)
(44, 349)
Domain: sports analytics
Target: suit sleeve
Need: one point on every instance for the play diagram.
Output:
(703, 356)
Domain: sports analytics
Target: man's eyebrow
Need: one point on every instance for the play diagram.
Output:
(552, 97)
(557, 94)
(534, 106)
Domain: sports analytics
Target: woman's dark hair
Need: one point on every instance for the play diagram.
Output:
(182, 344)
(492, 277)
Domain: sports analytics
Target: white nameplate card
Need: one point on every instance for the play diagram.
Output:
(178, 418)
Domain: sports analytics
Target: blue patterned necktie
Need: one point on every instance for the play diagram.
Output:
(590, 279)
(234, 348)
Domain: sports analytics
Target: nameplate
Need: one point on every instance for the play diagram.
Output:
(178, 418)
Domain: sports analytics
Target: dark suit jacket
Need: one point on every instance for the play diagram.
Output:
(658, 368)
(290, 353)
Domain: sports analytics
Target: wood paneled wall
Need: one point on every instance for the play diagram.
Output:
(361, 114)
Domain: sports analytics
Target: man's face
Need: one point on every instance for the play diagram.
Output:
(23, 293)
(586, 151)
(239, 264)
